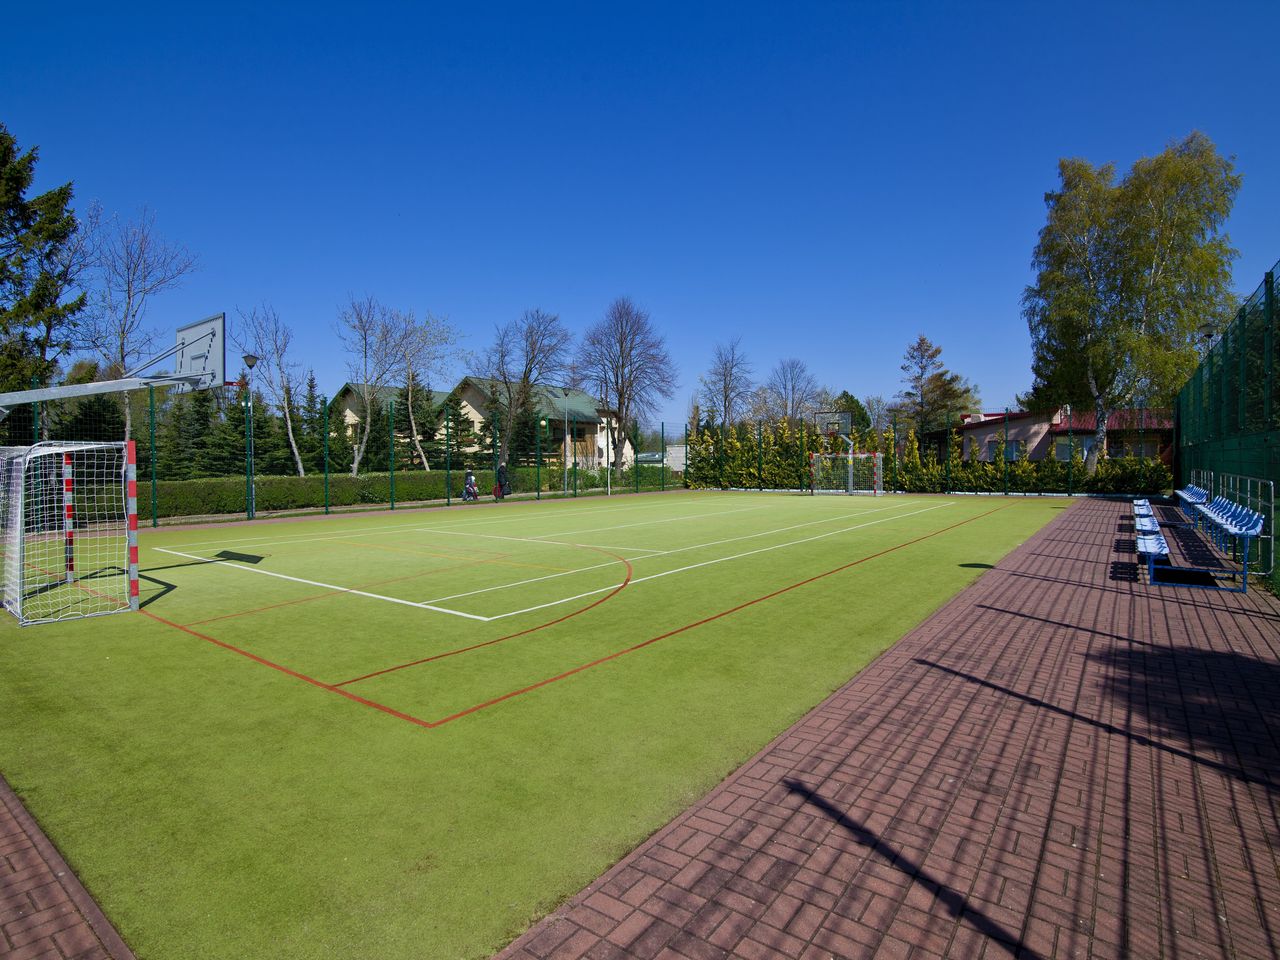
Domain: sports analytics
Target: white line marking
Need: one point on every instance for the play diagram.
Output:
(706, 563)
(326, 586)
(413, 516)
(441, 529)
(654, 553)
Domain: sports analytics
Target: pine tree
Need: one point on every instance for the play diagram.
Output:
(311, 421)
(38, 266)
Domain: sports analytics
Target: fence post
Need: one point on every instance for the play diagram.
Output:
(948, 451)
(1242, 345)
(686, 454)
(760, 454)
(325, 403)
(1004, 453)
(1269, 316)
(635, 454)
(248, 455)
(1071, 449)
(806, 468)
(895, 452)
(537, 462)
(391, 444)
(151, 405)
(662, 439)
(448, 461)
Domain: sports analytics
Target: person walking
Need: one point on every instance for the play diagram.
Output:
(503, 485)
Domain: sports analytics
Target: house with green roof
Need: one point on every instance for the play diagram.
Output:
(577, 425)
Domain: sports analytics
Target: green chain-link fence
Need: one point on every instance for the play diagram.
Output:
(219, 453)
(1228, 414)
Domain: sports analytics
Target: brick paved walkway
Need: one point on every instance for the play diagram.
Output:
(1063, 762)
(45, 914)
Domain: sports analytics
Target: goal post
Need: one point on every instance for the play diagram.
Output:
(68, 530)
(847, 473)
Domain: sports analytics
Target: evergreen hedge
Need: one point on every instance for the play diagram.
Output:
(776, 457)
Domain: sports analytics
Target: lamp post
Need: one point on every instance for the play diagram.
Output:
(250, 361)
(1205, 332)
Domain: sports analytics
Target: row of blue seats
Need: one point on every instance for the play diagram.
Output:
(1151, 542)
(1192, 496)
(1228, 525)
(1226, 520)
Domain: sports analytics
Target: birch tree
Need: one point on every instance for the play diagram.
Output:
(1126, 273)
(262, 333)
(375, 340)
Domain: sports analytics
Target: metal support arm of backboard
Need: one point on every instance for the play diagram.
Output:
(201, 363)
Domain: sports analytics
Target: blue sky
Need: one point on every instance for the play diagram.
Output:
(825, 180)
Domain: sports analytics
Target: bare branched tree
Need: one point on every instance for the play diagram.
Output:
(762, 405)
(263, 333)
(525, 353)
(878, 411)
(426, 348)
(131, 265)
(726, 386)
(794, 388)
(623, 359)
(376, 340)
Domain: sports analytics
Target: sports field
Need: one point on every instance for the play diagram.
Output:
(409, 734)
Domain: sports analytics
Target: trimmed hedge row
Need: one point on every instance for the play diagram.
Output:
(1114, 475)
(226, 495)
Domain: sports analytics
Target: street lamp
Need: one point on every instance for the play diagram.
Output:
(250, 361)
(1206, 331)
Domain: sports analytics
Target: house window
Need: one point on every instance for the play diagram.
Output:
(993, 447)
(1062, 449)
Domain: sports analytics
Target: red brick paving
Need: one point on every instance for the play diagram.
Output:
(45, 913)
(1062, 762)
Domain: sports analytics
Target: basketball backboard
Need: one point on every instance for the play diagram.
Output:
(834, 422)
(201, 351)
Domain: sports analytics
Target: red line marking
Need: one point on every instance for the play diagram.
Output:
(699, 623)
(432, 724)
(511, 636)
(287, 671)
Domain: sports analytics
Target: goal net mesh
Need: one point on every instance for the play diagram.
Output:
(65, 530)
(850, 473)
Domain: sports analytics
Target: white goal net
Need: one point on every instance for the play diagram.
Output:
(68, 530)
(850, 473)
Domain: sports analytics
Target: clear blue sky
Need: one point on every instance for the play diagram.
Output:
(826, 180)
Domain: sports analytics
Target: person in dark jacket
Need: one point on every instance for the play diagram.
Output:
(504, 485)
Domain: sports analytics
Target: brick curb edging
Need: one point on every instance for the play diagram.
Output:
(86, 931)
(516, 950)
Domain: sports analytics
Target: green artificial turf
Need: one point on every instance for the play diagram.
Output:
(217, 807)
